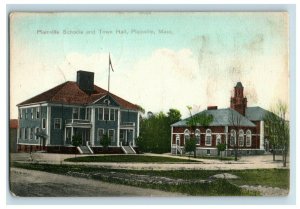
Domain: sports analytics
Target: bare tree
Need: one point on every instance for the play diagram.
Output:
(278, 130)
(235, 122)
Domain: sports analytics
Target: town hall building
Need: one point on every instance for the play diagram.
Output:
(238, 127)
(77, 108)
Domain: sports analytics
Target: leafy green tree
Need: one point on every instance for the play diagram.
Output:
(105, 142)
(76, 141)
(221, 147)
(155, 132)
(190, 146)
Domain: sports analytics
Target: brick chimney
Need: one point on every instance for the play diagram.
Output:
(85, 81)
(212, 107)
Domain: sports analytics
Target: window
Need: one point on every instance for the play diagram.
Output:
(241, 138)
(20, 113)
(232, 137)
(31, 132)
(186, 135)
(100, 134)
(111, 134)
(57, 123)
(106, 114)
(208, 152)
(37, 130)
(248, 138)
(75, 113)
(26, 133)
(31, 113)
(219, 139)
(43, 123)
(208, 137)
(22, 133)
(88, 114)
(26, 114)
(100, 113)
(37, 113)
(197, 136)
(112, 114)
(68, 135)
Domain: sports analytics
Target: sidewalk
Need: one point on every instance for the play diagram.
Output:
(246, 162)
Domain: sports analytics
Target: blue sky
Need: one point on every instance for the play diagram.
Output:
(203, 53)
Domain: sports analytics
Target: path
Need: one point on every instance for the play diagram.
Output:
(246, 162)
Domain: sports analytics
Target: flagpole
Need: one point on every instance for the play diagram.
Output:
(108, 72)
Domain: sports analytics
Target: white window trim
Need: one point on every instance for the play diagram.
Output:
(28, 133)
(88, 109)
(36, 113)
(206, 135)
(26, 113)
(232, 133)
(218, 138)
(186, 133)
(36, 137)
(22, 133)
(43, 123)
(101, 108)
(31, 133)
(197, 131)
(59, 123)
(78, 108)
(110, 114)
(241, 134)
(248, 133)
(113, 139)
(98, 135)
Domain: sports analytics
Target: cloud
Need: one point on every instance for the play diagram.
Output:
(164, 79)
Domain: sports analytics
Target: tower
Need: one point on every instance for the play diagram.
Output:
(238, 102)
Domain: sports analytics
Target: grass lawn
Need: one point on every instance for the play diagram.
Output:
(130, 159)
(265, 177)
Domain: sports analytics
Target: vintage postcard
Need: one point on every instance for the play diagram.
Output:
(149, 104)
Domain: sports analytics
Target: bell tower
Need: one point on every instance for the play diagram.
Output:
(238, 102)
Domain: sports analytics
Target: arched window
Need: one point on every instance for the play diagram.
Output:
(248, 138)
(219, 139)
(232, 137)
(208, 137)
(197, 136)
(186, 135)
(241, 138)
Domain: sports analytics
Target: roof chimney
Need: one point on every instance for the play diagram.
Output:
(212, 107)
(85, 81)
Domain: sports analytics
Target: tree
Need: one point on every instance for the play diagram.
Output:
(155, 132)
(235, 122)
(278, 130)
(173, 115)
(190, 146)
(202, 119)
(76, 141)
(221, 147)
(105, 142)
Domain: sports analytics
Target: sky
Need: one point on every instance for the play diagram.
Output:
(160, 60)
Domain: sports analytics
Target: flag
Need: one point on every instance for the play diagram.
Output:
(110, 65)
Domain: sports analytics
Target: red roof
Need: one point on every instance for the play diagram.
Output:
(13, 123)
(70, 93)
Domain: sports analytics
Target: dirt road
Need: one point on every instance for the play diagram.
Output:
(30, 183)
